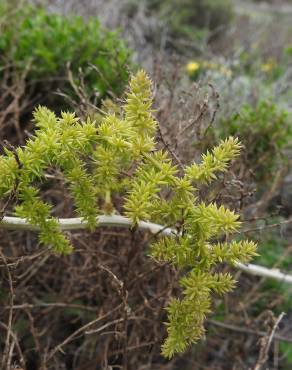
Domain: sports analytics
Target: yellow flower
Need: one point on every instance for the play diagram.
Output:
(268, 66)
(192, 67)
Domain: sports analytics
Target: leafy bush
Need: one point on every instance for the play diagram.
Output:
(183, 17)
(41, 44)
(119, 157)
(265, 130)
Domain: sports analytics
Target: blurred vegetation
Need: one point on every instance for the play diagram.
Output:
(265, 130)
(44, 46)
(190, 18)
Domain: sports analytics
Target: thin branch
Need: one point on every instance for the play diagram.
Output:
(67, 224)
(52, 305)
(16, 223)
(5, 357)
(248, 331)
(80, 331)
(265, 272)
(270, 226)
(15, 339)
(266, 344)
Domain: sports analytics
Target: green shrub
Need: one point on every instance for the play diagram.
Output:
(265, 131)
(184, 16)
(44, 43)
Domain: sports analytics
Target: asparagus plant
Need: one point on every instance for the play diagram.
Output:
(118, 156)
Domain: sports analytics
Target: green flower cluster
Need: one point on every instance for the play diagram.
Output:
(119, 156)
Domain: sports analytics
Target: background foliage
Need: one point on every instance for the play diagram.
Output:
(44, 55)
